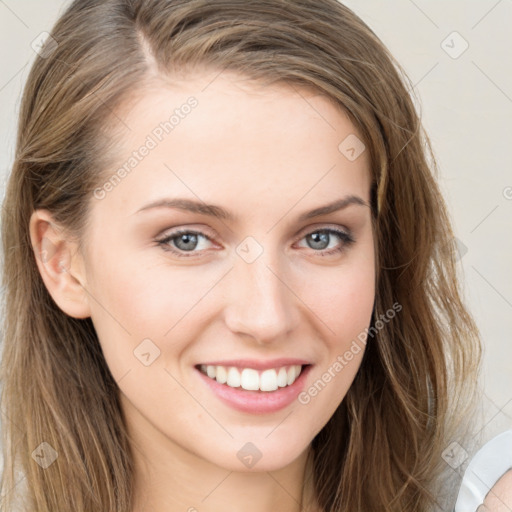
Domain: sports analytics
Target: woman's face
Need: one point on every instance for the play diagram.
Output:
(258, 282)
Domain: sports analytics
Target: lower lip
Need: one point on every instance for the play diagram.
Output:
(257, 402)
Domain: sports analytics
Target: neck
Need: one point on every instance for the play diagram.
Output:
(170, 478)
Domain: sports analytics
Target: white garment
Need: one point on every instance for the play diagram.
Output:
(489, 464)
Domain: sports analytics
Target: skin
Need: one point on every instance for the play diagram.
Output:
(499, 498)
(267, 155)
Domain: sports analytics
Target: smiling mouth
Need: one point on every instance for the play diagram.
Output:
(251, 379)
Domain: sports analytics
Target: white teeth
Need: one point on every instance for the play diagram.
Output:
(282, 377)
(221, 374)
(233, 378)
(290, 375)
(210, 371)
(252, 380)
(268, 380)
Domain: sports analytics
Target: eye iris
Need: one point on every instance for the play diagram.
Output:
(187, 238)
(188, 241)
(319, 237)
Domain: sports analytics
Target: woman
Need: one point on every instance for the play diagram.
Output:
(230, 276)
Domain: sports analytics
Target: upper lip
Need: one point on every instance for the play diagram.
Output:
(258, 364)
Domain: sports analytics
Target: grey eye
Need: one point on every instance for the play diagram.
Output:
(320, 239)
(186, 241)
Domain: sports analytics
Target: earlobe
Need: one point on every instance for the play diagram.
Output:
(59, 264)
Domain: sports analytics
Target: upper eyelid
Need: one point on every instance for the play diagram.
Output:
(322, 227)
(302, 233)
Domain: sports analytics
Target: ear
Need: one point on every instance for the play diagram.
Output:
(60, 264)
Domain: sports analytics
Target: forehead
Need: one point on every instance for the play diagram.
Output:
(222, 137)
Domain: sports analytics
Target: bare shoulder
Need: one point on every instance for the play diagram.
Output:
(499, 497)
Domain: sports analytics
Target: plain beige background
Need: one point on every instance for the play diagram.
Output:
(457, 54)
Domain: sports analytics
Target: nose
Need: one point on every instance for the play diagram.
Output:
(260, 303)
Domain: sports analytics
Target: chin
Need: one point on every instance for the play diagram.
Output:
(258, 454)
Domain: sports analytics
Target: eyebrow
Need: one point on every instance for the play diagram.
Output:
(218, 212)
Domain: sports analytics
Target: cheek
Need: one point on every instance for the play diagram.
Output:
(341, 297)
(344, 305)
(133, 302)
(170, 306)
(143, 294)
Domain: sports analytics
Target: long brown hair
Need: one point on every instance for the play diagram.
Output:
(382, 449)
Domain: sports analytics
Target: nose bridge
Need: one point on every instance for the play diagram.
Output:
(259, 302)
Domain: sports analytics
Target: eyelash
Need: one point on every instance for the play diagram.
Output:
(345, 237)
